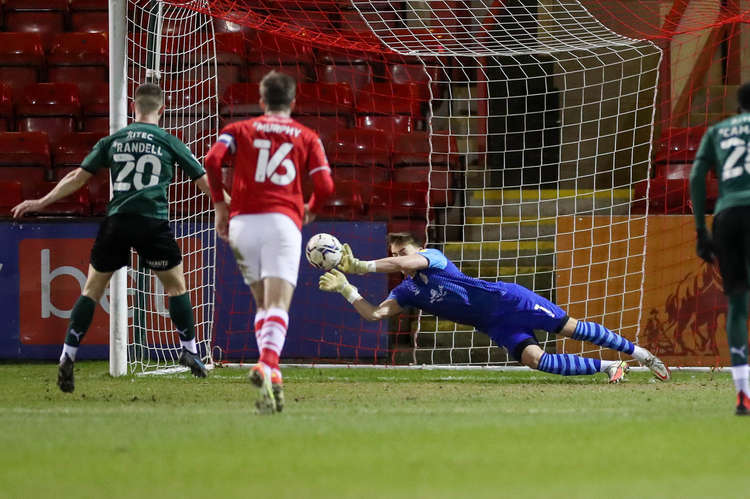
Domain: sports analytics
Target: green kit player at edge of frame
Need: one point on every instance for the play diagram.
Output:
(724, 148)
(141, 158)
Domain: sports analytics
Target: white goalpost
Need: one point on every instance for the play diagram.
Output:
(173, 46)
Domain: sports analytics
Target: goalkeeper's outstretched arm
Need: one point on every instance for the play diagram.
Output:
(407, 264)
(334, 281)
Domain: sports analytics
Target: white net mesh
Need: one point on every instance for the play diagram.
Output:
(553, 115)
(174, 47)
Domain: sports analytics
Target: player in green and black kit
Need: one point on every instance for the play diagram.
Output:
(141, 158)
(725, 148)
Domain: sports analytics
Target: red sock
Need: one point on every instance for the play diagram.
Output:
(270, 358)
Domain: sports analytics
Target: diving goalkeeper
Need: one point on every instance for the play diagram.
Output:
(508, 313)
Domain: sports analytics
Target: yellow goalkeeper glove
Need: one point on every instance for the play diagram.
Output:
(352, 265)
(334, 281)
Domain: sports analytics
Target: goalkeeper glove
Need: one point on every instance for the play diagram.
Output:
(352, 265)
(334, 281)
(704, 246)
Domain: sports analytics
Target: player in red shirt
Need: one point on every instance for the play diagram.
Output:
(272, 155)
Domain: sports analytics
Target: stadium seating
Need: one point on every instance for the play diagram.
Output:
(50, 107)
(89, 16)
(300, 72)
(391, 98)
(346, 202)
(95, 108)
(269, 48)
(358, 147)
(325, 106)
(414, 149)
(398, 200)
(80, 58)
(21, 59)
(72, 148)
(230, 59)
(10, 196)
(67, 155)
(77, 204)
(6, 108)
(239, 101)
(356, 75)
(392, 124)
(25, 156)
(45, 17)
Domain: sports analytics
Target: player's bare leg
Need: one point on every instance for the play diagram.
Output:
(273, 295)
(599, 335)
(181, 312)
(80, 320)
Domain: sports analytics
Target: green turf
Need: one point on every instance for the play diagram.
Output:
(370, 433)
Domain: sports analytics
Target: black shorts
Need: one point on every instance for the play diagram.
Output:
(731, 240)
(152, 239)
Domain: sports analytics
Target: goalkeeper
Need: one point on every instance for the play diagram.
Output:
(506, 312)
(724, 148)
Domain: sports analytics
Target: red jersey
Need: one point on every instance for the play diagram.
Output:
(272, 156)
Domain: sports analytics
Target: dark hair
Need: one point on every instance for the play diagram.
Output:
(148, 98)
(743, 98)
(277, 90)
(402, 238)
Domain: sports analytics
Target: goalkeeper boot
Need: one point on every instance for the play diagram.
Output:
(658, 368)
(743, 405)
(277, 385)
(260, 376)
(193, 361)
(65, 374)
(616, 371)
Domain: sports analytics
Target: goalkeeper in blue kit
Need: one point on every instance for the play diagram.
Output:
(724, 148)
(508, 313)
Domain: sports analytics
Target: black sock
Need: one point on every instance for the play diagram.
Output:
(80, 320)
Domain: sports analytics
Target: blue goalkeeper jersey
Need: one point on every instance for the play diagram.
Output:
(443, 290)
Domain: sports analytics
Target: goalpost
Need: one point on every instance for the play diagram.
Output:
(516, 136)
(172, 45)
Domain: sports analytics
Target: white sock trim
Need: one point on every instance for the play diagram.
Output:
(189, 345)
(71, 351)
(740, 376)
(605, 364)
(640, 354)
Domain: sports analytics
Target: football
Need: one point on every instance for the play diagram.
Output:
(323, 251)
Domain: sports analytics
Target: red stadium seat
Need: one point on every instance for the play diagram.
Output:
(230, 59)
(345, 203)
(399, 200)
(25, 156)
(440, 185)
(416, 227)
(71, 149)
(6, 108)
(356, 75)
(50, 107)
(10, 195)
(95, 108)
(45, 17)
(329, 104)
(89, 16)
(268, 48)
(80, 58)
(391, 98)
(240, 101)
(99, 192)
(366, 176)
(299, 72)
(21, 59)
(414, 149)
(358, 147)
(393, 124)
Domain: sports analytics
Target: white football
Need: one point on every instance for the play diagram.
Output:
(323, 251)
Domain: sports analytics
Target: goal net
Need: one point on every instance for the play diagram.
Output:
(173, 45)
(529, 140)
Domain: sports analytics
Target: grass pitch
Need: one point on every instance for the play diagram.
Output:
(370, 433)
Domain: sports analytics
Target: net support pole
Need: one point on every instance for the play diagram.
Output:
(118, 98)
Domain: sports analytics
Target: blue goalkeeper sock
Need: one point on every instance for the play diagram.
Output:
(600, 335)
(568, 364)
